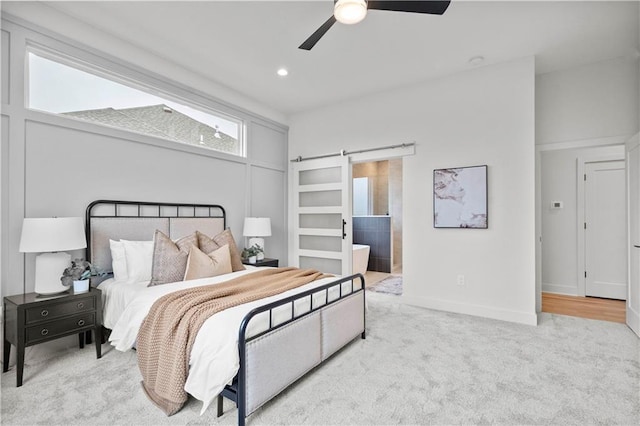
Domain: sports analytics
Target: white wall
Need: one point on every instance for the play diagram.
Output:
(582, 112)
(598, 100)
(484, 116)
(4, 127)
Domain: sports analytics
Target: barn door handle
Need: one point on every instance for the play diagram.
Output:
(636, 246)
(344, 224)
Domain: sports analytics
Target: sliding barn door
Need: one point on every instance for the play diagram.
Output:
(322, 215)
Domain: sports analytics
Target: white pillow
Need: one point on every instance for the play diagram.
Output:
(118, 261)
(139, 255)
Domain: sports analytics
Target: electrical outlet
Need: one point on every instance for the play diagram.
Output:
(460, 279)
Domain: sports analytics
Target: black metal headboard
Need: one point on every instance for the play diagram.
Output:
(137, 220)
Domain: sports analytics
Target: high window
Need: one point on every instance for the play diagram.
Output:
(68, 90)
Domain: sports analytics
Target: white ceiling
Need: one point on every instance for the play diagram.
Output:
(241, 44)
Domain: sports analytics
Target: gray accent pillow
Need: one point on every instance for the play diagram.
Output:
(208, 245)
(170, 258)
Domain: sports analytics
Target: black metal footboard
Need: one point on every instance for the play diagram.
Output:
(237, 391)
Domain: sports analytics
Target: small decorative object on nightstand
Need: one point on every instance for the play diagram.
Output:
(251, 255)
(30, 319)
(79, 274)
(264, 262)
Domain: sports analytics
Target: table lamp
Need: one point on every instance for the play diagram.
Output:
(50, 237)
(256, 228)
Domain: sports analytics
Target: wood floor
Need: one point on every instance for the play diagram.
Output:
(584, 307)
(373, 277)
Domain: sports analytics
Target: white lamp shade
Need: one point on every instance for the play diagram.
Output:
(52, 234)
(257, 227)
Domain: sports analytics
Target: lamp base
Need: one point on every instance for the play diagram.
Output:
(49, 269)
(256, 241)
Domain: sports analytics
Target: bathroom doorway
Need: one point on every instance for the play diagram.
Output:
(377, 223)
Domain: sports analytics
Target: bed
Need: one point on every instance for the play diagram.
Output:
(248, 353)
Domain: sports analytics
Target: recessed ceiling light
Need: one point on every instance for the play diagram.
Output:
(282, 72)
(476, 60)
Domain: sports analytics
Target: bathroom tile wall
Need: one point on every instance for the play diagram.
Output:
(395, 207)
(376, 232)
(378, 174)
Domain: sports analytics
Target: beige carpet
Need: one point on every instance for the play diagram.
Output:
(417, 366)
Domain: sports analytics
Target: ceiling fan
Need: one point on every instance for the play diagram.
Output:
(354, 11)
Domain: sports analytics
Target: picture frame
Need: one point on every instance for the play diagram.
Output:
(460, 197)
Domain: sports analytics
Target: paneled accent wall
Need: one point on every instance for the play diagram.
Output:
(54, 165)
(375, 232)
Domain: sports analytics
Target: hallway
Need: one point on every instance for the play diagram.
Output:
(584, 307)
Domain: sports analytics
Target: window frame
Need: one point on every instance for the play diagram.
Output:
(108, 71)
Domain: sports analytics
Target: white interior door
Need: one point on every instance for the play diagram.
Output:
(322, 215)
(633, 197)
(606, 230)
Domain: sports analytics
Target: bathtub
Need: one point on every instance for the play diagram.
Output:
(360, 258)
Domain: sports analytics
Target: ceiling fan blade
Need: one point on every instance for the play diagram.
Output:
(315, 37)
(432, 7)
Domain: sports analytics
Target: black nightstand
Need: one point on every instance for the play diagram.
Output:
(264, 262)
(30, 319)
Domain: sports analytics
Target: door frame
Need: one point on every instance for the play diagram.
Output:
(355, 157)
(631, 305)
(382, 155)
(580, 209)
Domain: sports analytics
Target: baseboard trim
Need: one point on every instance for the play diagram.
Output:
(475, 310)
(560, 289)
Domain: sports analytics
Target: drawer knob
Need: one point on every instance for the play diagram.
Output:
(81, 323)
(44, 313)
(44, 332)
(80, 305)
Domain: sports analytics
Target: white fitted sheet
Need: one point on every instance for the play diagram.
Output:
(116, 295)
(214, 360)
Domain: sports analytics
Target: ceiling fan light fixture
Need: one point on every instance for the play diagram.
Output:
(350, 11)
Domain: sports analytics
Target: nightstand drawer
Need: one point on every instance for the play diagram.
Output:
(31, 319)
(60, 327)
(51, 311)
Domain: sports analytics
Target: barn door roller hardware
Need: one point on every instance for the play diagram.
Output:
(343, 152)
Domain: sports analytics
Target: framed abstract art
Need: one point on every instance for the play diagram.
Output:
(460, 197)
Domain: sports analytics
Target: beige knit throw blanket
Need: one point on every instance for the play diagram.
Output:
(167, 333)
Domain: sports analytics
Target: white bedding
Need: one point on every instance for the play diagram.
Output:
(214, 360)
(116, 295)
